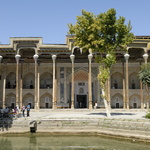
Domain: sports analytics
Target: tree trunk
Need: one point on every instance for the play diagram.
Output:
(106, 104)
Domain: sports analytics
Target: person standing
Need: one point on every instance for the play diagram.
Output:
(28, 110)
(23, 110)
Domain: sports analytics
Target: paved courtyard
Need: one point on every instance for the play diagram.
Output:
(87, 114)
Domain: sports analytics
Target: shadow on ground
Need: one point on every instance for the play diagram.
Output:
(113, 114)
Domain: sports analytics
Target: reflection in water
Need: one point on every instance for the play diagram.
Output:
(47, 142)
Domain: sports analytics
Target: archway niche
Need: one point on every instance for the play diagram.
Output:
(116, 81)
(28, 81)
(134, 101)
(46, 101)
(28, 99)
(117, 101)
(10, 100)
(11, 81)
(46, 81)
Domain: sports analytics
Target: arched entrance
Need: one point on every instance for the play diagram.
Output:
(46, 101)
(81, 89)
(135, 101)
(117, 101)
(28, 99)
(10, 100)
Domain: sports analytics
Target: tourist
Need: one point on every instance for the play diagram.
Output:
(23, 110)
(15, 110)
(28, 110)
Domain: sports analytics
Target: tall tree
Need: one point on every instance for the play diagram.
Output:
(101, 34)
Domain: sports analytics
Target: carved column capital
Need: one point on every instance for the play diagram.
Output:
(72, 57)
(90, 56)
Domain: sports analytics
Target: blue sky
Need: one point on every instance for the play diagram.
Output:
(49, 18)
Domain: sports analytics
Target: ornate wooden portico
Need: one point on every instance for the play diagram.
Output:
(62, 76)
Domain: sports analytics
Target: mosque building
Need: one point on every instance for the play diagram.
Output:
(56, 76)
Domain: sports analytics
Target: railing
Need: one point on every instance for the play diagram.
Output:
(46, 86)
(42, 86)
(10, 86)
(28, 87)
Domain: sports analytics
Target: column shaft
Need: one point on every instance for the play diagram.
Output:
(17, 83)
(72, 89)
(72, 80)
(54, 82)
(65, 85)
(4, 86)
(147, 99)
(124, 94)
(124, 88)
(90, 81)
(21, 70)
(98, 92)
(35, 88)
(127, 85)
(35, 57)
(38, 86)
(141, 95)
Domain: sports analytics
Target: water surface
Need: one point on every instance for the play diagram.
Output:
(47, 142)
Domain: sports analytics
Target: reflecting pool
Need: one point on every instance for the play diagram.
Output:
(48, 142)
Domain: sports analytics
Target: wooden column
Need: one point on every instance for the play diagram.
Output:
(1, 78)
(141, 95)
(123, 84)
(35, 83)
(72, 88)
(54, 82)
(145, 56)
(17, 56)
(90, 81)
(127, 80)
(4, 85)
(38, 85)
(21, 85)
(65, 85)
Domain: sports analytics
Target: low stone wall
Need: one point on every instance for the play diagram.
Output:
(139, 129)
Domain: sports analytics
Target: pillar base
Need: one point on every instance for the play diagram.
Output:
(72, 105)
(109, 106)
(90, 105)
(54, 105)
(142, 106)
(3, 106)
(124, 106)
(36, 107)
(147, 106)
(127, 107)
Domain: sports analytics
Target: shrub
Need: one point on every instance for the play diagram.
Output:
(147, 115)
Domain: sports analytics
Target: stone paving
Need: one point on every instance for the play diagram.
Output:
(85, 113)
(124, 123)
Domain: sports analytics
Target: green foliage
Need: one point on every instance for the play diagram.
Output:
(147, 115)
(103, 75)
(102, 33)
(144, 74)
(105, 66)
(109, 60)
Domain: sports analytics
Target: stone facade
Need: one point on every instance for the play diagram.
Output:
(56, 76)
